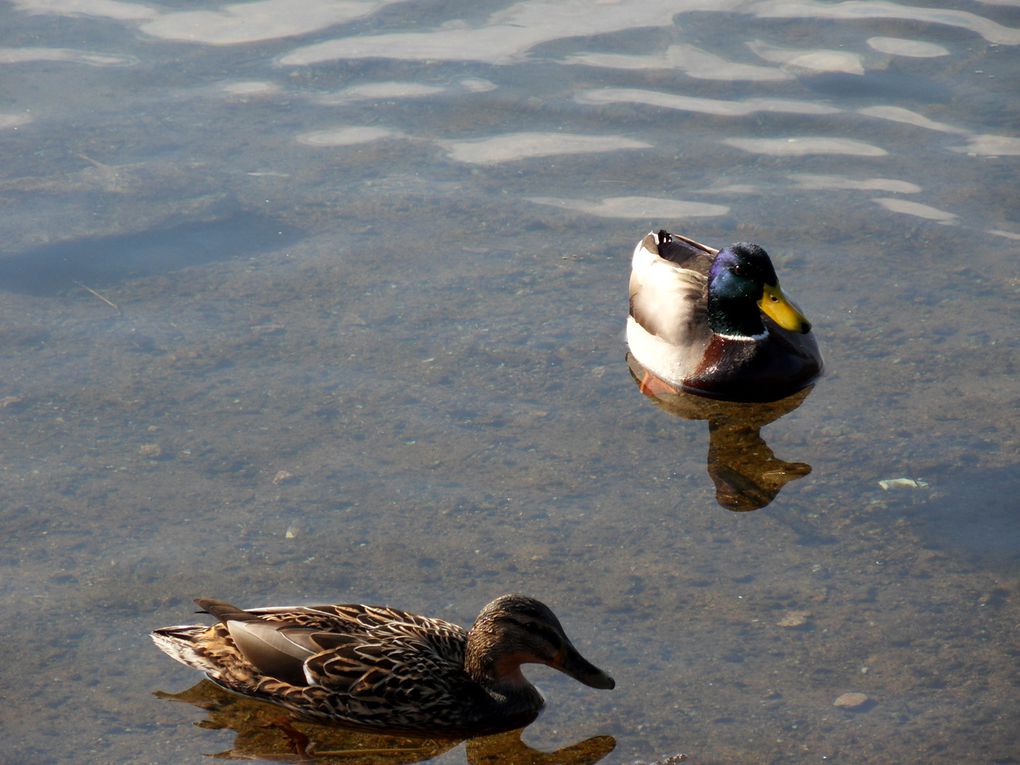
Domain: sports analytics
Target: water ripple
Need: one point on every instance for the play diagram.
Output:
(110, 9)
(916, 209)
(988, 145)
(516, 146)
(250, 89)
(27, 55)
(713, 106)
(802, 146)
(838, 182)
(906, 116)
(816, 60)
(14, 120)
(898, 46)
(861, 9)
(256, 21)
(692, 61)
(505, 37)
(347, 136)
(380, 91)
(652, 208)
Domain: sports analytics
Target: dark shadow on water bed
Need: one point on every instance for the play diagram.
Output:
(976, 517)
(104, 261)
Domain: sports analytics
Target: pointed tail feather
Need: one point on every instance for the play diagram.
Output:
(223, 611)
(180, 643)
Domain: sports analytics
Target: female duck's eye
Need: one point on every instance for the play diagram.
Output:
(540, 630)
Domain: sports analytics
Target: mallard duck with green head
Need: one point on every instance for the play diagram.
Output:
(384, 669)
(715, 322)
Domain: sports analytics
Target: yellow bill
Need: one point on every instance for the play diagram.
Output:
(774, 304)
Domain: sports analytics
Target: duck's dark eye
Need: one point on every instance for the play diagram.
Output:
(542, 631)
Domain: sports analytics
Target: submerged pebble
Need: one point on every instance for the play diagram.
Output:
(794, 619)
(851, 701)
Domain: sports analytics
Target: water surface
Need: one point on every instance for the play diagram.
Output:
(329, 306)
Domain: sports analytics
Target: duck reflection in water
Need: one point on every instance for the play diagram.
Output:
(746, 473)
(265, 732)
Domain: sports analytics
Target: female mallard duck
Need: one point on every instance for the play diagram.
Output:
(715, 323)
(381, 668)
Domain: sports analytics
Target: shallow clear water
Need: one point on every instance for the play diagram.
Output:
(384, 247)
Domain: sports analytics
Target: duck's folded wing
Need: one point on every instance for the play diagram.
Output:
(391, 673)
(275, 649)
(669, 302)
(358, 619)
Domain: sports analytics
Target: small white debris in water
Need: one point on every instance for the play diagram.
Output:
(902, 483)
(282, 476)
(150, 450)
(292, 531)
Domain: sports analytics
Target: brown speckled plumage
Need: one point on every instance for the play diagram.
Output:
(383, 668)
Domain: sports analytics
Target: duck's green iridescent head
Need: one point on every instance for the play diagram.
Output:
(743, 282)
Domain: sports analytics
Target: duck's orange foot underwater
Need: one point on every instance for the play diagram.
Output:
(653, 386)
